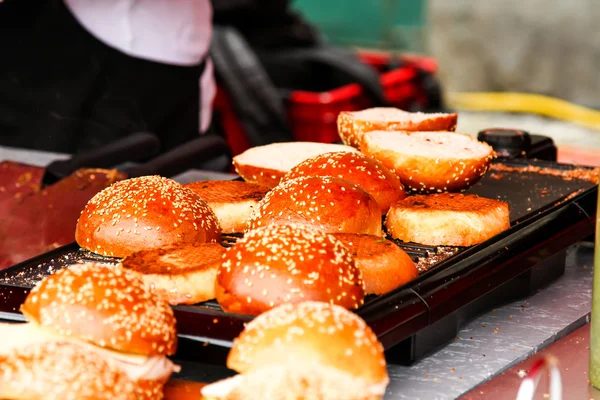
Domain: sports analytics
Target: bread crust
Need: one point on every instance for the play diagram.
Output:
(370, 174)
(352, 125)
(327, 203)
(424, 173)
(384, 265)
(105, 305)
(258, 175)
(447, 219)
(183, 274)
(286, 264)
(251, 165)
(62, 371)
(232, 201)
(144, 213)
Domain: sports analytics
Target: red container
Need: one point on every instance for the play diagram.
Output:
(312, 116)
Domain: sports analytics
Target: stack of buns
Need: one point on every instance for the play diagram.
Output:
(169, 233)
(313, 220)
(352, 125)
(93, 331)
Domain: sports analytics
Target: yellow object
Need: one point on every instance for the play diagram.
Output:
(525, 103)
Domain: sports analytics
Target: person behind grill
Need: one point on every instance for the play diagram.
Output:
(77, 74)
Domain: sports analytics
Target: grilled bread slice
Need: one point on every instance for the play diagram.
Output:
(384, 265)
(447, 219)
(430, 162)
(232, 201)
(352, 125)
(184, 274)
(266, 165)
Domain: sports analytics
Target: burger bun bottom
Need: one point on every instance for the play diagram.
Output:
(294, 381)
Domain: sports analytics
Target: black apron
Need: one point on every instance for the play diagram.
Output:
(63, 90)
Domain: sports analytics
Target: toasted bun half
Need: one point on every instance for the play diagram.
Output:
(144, 213)
(429, 162)
(105, 305)
(370, 174)
(62, 371)
(183, 274)
(287, 264)
(232, 201)
(447, 219)
(266, 165)
(384, 265)
(327, 203)
(310, 350)
(352, 125)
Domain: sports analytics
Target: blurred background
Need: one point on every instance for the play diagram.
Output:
(548, 47)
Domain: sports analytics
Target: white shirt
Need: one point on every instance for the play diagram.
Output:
(176, 32)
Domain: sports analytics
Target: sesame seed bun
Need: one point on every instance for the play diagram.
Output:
(232, 201)
(287, 264)
(352, 125)
(371, 175)
(430, 162)
(105, 305)
(384, 265)
(266, 165)
(183, 274)
(447, 219)
(144, 213)
(327, 203)
(310, 350)
(55, 370)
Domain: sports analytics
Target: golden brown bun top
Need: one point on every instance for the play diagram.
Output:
(222, 192)
(457, 202)
(310, 333)
(105, 305)
(144, 213)
(357, 168)
(289, 263)
(327, 203)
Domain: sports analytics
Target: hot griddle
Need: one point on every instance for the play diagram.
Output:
(552, 207)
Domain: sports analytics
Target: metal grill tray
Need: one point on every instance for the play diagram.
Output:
(552, 207)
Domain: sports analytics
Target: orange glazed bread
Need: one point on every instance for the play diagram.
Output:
(370, 174)
(430, 162)
(447, 219)
(266, 165)
(287, 264)
(144, 213)
(352, 125)
(384, 265)
(232, 201)
(326, 203)
(309, 350)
